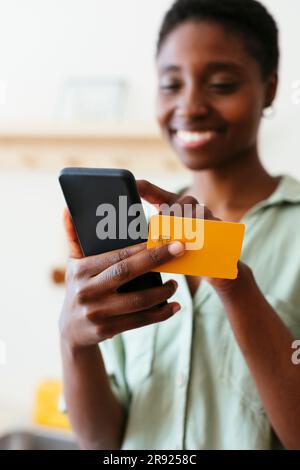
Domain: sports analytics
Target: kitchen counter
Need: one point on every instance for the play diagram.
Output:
(12, 419)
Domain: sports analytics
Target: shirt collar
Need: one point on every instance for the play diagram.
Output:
(287, 191)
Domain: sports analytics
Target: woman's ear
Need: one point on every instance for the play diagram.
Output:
(271, 89)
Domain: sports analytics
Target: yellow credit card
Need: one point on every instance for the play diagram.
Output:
(213, 248)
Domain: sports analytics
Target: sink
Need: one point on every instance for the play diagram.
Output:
(36, 440)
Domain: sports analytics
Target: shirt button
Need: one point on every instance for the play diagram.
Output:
(181, 380)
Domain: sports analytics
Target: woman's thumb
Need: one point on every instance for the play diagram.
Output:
(154, 194)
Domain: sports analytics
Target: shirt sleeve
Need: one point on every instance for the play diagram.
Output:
(113, 353)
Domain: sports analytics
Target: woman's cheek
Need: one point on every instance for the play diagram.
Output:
(242, 113)
(163, 116)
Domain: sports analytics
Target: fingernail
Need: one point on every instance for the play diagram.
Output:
(176, 248)
(173, 283)
(176, 308)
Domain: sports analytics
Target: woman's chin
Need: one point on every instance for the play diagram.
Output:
(198, 162)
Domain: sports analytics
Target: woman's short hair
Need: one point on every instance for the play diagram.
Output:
(249, 19)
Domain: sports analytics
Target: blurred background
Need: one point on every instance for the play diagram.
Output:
(77, 88)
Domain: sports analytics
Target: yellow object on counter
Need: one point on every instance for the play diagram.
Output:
(46, 409)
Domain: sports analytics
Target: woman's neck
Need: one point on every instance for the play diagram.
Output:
(231, 190)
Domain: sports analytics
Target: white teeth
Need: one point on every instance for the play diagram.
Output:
(188, 136)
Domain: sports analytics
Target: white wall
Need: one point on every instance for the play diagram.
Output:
(280, 147)
(31, 244)
(44, 42)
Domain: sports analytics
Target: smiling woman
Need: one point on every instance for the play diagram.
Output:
(217, 72)
(205, 377)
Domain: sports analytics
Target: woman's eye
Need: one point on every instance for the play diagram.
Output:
(169, 87)
(228, 87)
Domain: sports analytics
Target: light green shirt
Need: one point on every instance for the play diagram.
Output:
(184, 382)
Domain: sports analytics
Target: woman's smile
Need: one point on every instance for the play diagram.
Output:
(194, 140)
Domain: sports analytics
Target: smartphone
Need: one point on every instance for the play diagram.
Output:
(107, 214)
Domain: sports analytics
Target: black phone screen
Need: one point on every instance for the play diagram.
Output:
(107, 213)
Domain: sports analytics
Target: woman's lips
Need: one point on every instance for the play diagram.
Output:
(194, 139)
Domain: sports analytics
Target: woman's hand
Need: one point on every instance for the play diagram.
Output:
(159, 197)
(93, 310)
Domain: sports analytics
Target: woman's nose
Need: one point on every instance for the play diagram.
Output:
(192, 103)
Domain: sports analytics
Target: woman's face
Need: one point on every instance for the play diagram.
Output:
(210, 96)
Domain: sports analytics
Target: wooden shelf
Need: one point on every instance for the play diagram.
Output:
(65, 131)
(52, 146)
